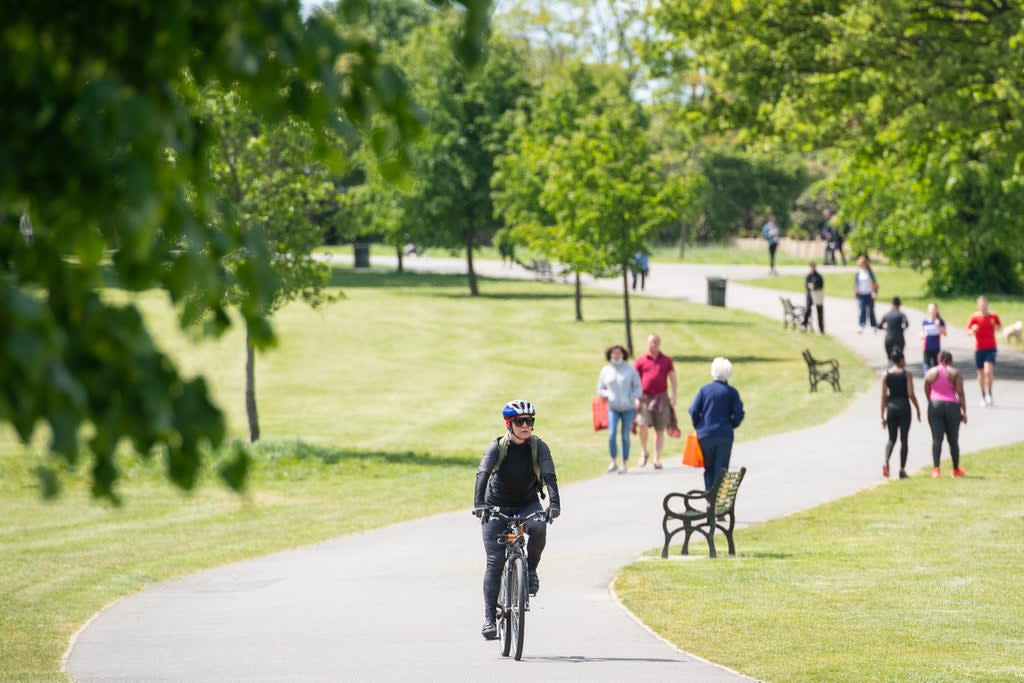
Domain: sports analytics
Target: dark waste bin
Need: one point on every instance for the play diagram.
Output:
(716, 291)
(362, 254)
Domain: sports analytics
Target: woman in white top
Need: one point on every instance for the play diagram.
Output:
(865, 286)
(619, 382)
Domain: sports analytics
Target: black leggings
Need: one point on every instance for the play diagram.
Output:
(538, 532)
(898, 421)
(944, 419)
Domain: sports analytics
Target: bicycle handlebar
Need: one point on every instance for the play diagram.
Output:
(496, 512)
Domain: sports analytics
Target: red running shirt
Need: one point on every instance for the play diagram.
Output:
(985, 335)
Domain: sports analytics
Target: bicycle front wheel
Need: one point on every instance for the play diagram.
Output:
(519, 591)
(504, 611)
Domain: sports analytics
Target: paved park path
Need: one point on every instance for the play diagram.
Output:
(403, 603)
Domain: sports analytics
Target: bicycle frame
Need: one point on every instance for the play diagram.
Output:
(513, 593)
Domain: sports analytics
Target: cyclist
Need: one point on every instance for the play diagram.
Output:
(513, 483)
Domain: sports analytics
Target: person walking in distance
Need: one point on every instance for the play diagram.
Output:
(839, 231)
(639, 267)
(512, 474)
(770, 233)
(947, 410)
(894, 323)
(865, 288)
(984, 325)
(654, 407)
(815, 285)
(933, 329)
(715, 412)
(619, 383)
(897, 397)
(827, 233)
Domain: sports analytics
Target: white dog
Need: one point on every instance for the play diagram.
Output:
(1013, 332)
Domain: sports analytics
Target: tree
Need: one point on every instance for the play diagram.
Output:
(607, 32)
(450, 201)
(915, 104)
(579, 184)
(747, 187)
(102, 153)
(274, 184)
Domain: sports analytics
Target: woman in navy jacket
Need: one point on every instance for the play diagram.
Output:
(716, 411)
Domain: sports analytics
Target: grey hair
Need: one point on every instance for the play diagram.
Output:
(721, 369)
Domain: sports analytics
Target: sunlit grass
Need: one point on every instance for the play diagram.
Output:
(915, 580)
(389, 395)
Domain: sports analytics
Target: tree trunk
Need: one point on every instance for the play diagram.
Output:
(250, 390)
(579, 299)
(625, 304)
(473, 290)
(399, 254)
(684, 237)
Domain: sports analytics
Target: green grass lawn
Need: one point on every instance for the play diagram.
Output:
(914, 580)
(721, 254)
(909, 285)
(390, 394)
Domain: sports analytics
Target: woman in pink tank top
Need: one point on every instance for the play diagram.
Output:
(947, 409)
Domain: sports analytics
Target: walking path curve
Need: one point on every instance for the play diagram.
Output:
(403, 602)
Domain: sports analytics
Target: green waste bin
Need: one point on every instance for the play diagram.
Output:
(361, 254)
(716, 291)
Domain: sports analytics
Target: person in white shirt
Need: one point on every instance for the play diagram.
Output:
(865, 287)
(619, 383)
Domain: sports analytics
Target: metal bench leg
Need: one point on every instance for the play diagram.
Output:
(668, 536)
(728, 533)
(686, 540)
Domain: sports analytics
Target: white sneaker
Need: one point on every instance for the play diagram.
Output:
(988, 399)
(983, 403)
(612, 467)
(622, 470)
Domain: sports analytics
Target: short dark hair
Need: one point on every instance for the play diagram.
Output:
(896, 355)
(896, 301)
(620, 347)
(946, 358)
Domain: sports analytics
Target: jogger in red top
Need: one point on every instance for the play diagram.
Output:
(984, 325)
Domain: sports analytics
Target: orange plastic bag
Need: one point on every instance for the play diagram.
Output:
(599, 407)
(692, 454)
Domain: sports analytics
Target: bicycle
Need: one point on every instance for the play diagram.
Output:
(513, 592)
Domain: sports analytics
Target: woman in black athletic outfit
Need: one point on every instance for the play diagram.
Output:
(897, 395)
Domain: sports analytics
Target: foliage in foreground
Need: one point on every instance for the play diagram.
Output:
(915, 104)
(101, 155)
(914, 580)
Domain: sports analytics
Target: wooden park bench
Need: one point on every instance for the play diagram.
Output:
(821, 370)
(704, 512)
(791, 314)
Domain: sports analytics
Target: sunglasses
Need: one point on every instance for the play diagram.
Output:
(523, 422)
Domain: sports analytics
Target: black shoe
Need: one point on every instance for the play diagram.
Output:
(534, 582)
(489, 630)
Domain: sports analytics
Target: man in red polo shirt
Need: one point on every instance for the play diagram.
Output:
(654, 407)
(983, 326)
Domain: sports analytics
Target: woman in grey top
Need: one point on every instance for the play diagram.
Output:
(619, 382)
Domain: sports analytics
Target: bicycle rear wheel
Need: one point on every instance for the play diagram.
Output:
(518, 593)
(504, 612)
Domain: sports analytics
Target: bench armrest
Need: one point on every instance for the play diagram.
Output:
(686, 498)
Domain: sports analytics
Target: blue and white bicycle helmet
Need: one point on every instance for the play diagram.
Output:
(517, 408)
